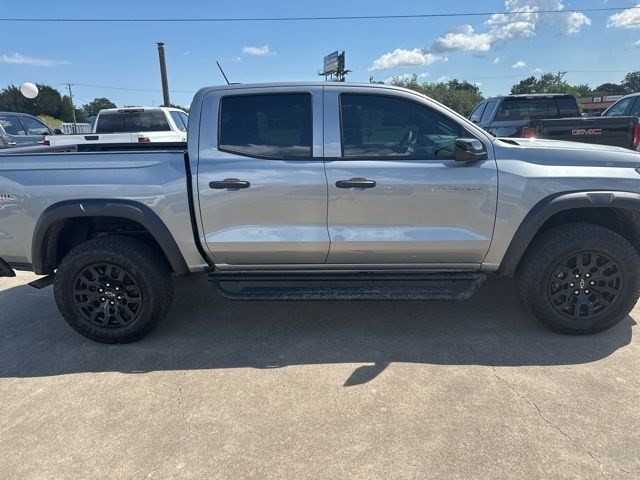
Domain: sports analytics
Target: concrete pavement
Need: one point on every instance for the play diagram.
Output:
(314, 390)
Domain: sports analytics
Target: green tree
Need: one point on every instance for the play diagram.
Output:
(547, 83)
(609, 89)
(631, 82)
(583, 89)
(48, 101)
(92, 108)
(460, 96)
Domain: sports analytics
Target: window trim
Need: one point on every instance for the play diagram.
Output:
(266, 157)
(482, 104)
(493, 113)
(404, 157)
(37, 120)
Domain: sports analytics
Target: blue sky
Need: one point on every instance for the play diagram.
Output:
(494, 52)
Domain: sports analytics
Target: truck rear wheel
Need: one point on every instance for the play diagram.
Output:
(580, 278)
(113, 289)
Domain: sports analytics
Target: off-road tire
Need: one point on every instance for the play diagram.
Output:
(143, 267)
(541, 277)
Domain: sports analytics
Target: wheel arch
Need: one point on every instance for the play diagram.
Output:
(618, 211)
(52, 222)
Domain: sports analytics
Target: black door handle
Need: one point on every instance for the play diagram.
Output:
(233, 183)
(356, 183)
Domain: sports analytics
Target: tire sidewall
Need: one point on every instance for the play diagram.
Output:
(601, 321)
(146, 278)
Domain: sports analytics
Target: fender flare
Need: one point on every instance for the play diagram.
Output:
(127, 209)
(553, 204)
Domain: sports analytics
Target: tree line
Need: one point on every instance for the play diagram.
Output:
(50, 103)
(463, 96)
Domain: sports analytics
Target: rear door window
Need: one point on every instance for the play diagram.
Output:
(267, 125)
(12, 125)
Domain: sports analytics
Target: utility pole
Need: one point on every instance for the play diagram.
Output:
(73, 110)
(163, 75)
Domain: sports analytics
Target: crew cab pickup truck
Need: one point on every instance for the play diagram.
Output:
(507, 116)
(618, 126)
(324, 191)
(131, 125)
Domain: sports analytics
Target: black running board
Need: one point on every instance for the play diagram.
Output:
(347, 286)
(42, 282)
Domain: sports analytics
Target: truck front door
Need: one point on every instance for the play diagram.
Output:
(396, 196)
(261, 181)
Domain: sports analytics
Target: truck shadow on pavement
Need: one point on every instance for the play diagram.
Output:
(205, 331)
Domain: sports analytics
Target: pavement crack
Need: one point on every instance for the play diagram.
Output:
(554, 425)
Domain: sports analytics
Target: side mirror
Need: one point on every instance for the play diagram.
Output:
(469, 150)
(58, 131)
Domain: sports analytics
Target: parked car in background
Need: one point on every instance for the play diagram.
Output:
(328, 191)
(507, 116)
(131, 125)
(22, 130)
(618, 126)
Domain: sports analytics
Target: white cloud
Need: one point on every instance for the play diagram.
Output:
(186, 52)
(406, 58)
(262, 51)
(637, 44)
(442, 79)
(463, 38)
(519, 64)
(20, 59)
(525, 19)
(629, 18)
(537, 71)
(572, 22)
(496, 60)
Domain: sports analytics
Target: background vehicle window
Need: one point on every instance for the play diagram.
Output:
(635, 110)
(132, 122)
(185, 119)
(177, 119)
(620, 109)
(12, 125)
(488, 112)
(278, 125)
(477, 113)
(567, 107)
(380, 126)
(34, 127)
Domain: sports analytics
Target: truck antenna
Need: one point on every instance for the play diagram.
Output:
(222, 71)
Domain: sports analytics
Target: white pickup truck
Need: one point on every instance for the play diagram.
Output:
(131, 125)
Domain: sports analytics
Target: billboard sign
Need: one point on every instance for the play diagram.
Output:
(331, 62)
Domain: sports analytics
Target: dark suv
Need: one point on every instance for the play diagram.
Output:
(21, 130)
(506, 116)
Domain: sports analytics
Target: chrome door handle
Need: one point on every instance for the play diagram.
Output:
(356, 183)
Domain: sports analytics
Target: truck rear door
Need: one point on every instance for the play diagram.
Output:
(261, 183)
(396, 195)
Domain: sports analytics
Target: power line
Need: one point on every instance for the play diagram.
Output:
(326, 18)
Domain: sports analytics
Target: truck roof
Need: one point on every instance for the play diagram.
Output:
(139, 109)
(532, 95)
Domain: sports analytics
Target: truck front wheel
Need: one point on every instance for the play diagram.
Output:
(580, 278)
(113, 289)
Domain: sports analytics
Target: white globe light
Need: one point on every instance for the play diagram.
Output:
(29, 90)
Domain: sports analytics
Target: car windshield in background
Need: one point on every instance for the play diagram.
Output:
(536, 109)
(131, 122)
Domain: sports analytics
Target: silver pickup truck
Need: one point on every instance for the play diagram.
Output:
(324, 191)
